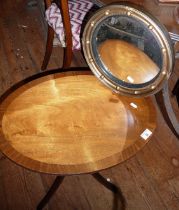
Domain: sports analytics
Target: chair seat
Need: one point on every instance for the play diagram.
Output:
(77, 10)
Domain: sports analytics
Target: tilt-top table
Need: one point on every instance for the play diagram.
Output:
(68, 123)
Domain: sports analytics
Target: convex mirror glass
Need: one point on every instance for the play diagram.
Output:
(128, 49)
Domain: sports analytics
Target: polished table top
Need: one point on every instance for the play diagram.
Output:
(69, 123)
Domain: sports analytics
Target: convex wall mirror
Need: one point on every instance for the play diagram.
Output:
(128, 49)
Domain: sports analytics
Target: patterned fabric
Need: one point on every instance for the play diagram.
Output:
(77, 10)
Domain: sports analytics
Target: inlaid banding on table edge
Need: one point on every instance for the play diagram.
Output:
(72, 124)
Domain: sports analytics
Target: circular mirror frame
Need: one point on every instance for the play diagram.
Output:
(153, 25)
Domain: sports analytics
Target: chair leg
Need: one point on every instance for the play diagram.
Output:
(49, 47)
(175, 91)
(67, 58)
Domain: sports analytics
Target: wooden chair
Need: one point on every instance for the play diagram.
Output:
(175, 91)
(63, 8)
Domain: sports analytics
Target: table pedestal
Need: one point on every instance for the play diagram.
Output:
(110, 186)
(66, 122)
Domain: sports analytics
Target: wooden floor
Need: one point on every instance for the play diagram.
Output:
(149, 181)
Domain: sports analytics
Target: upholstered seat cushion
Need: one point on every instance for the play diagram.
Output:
(77, 10)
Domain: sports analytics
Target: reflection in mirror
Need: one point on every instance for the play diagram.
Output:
(127, 62)
(127, 50)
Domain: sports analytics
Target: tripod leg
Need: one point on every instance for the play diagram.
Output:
(110, 186)
(50, 193)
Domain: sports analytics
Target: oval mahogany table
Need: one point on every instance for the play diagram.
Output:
(68, 123)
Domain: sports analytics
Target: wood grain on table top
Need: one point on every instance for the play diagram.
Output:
(127, 62)
(67, 123)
